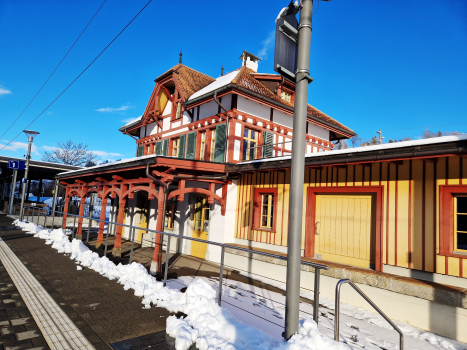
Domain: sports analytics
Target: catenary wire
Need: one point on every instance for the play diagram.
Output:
(58, 65)
(80, 74)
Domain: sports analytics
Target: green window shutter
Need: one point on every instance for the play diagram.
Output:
(158, 148)
(220, 144)
(181, 148)
(165, 147)
(140, 151)
(191, 145)
(268, 140)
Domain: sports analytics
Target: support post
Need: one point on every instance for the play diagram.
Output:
(156, 264)
(38, 200)
(12, 193)
(65, 210)
(100, 235)
(117, 251)
(26, 171)
(3, 189)
(29, 189)
(54, 203)
(79, 230)
(292, 298)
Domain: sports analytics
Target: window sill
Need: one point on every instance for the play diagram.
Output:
(456, 254)
(263, 229)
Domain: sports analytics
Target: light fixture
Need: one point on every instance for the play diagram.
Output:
(31, 133)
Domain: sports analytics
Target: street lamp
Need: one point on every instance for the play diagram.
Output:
(30, 134)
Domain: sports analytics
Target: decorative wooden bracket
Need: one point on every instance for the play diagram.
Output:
(117, 178)
(100, 179)
(181, 187)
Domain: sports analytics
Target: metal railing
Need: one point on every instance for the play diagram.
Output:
(223, 246)
(363, 295)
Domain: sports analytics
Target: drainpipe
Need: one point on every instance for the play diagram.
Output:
(226, 145)
(279, 86)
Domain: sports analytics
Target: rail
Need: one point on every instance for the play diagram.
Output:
(223, 246)
(363, 295)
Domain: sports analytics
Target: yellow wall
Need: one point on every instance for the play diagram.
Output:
(410, 206)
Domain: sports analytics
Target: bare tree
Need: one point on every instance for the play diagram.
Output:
(356, 140)
(70, 153)
(341, 144)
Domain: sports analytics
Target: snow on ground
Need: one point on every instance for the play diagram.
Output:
(360, 329)
(251, 317)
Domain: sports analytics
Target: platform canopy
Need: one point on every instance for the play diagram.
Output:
(37, 170)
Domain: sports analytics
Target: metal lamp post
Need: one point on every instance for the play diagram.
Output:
(30, 134)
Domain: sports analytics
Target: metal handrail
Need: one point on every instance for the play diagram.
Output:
(363, 295)
(317, 267)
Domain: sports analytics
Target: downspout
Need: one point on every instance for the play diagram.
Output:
(279, 86)
(226, 142)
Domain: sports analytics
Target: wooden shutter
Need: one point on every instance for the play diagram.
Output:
(191, 145)
(181, 146)
(220, 144)
(158, 148)
(140, 151)
(268, 140)
(165, 147)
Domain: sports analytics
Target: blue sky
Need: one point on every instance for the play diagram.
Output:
(376, 64)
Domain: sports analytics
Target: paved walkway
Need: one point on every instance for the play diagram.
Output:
(101, 310)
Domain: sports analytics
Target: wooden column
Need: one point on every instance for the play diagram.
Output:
(117, 251)
(157, 256)
(79, 230)
(100, 235)
(65, 209)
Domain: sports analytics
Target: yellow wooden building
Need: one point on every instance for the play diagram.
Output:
(380, 207)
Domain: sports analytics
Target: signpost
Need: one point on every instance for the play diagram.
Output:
(292, 61)
(16, 164)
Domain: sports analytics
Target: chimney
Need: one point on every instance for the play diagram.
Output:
(250, 60)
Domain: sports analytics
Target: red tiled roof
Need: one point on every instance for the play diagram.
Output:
(189, 80)
(245, 79)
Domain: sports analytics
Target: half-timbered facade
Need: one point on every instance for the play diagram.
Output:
(192, 127)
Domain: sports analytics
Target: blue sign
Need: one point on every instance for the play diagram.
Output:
(16, 164)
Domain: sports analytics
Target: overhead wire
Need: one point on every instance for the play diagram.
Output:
(58, 65)
(80, 74)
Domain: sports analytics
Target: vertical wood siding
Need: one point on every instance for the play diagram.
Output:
(409, 208)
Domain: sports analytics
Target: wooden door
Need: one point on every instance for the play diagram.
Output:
(200, 226)
(344, 229)
(143, 210)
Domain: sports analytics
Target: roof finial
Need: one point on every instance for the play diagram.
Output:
(222, 70)
(180, 60)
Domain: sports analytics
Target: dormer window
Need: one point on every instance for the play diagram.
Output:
(286, 96)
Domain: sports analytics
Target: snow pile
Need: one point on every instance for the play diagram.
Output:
(207, 325)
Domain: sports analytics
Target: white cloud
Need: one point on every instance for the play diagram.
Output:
(106, 154)
(113, 110)
(4, 91)
(267, 44)
(18, 146)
